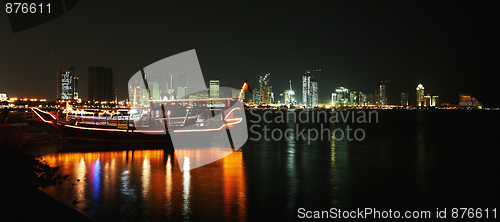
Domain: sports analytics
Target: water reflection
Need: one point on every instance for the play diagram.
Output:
(149, 185)
(168, 187)
(186, 180)
(292, 173)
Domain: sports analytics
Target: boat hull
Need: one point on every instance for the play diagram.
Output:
(100, 133)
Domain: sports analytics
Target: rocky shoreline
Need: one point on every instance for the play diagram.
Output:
(23, 175)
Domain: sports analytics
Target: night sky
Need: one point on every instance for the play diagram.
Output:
(450, 47)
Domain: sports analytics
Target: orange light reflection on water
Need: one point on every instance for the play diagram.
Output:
(116, 180)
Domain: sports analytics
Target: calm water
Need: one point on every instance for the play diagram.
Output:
(409, 160)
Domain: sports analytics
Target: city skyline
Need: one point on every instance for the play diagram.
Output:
(450, 48)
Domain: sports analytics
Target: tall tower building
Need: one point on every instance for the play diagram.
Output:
(66, 84)
(427, 100)
(290, 96)
(75, 88)
(383, 93)
(341, 96)
(404, 99)
(420, 95)
(353, 98)
(314, 94)
(334, 99)
(267, 94)
(214, 88)
(435, 101)
(306, 90)
(310, 95)
(361, 99)
(100, 84)
(257, 96)
(266, 89)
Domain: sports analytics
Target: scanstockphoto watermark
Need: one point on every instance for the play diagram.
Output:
(309, 125)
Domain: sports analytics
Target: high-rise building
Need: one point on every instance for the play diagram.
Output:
(181, 92)
(353, 98)
(290, 96)
(427, 100)
(67, 84)
(420, 95)
(257, 96)
(342, 96)
(75, 88)
(306, 90)
(100, 84)
(361, 99)
(267, 94)
(404, 99)
(310, 96)
(154, 90)
(134, 90)
(435, 101)
(266, 90)
(314, 94)
(383, 93)
(214, 88)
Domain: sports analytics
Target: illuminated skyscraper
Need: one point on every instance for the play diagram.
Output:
(267, 94)
(290, 96)
(314, 94)
(341, 96)
(427, 100)
(100, 84)
(353, 98)
(383, 99)
(214, 88)
(383, 93)
(66, 84)
(257, 96)
(420, 95)
(435, 101)
(266, 90)
(334, 99)
(310, 96)
(306, 89)
(404, 99)
(75, 87)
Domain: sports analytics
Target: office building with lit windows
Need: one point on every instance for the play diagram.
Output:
(67, 83)
(290, 96)
(420, 95)
(310, 97)
(214, 88)
(382, 95)
(435, 101)
(427, 100)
